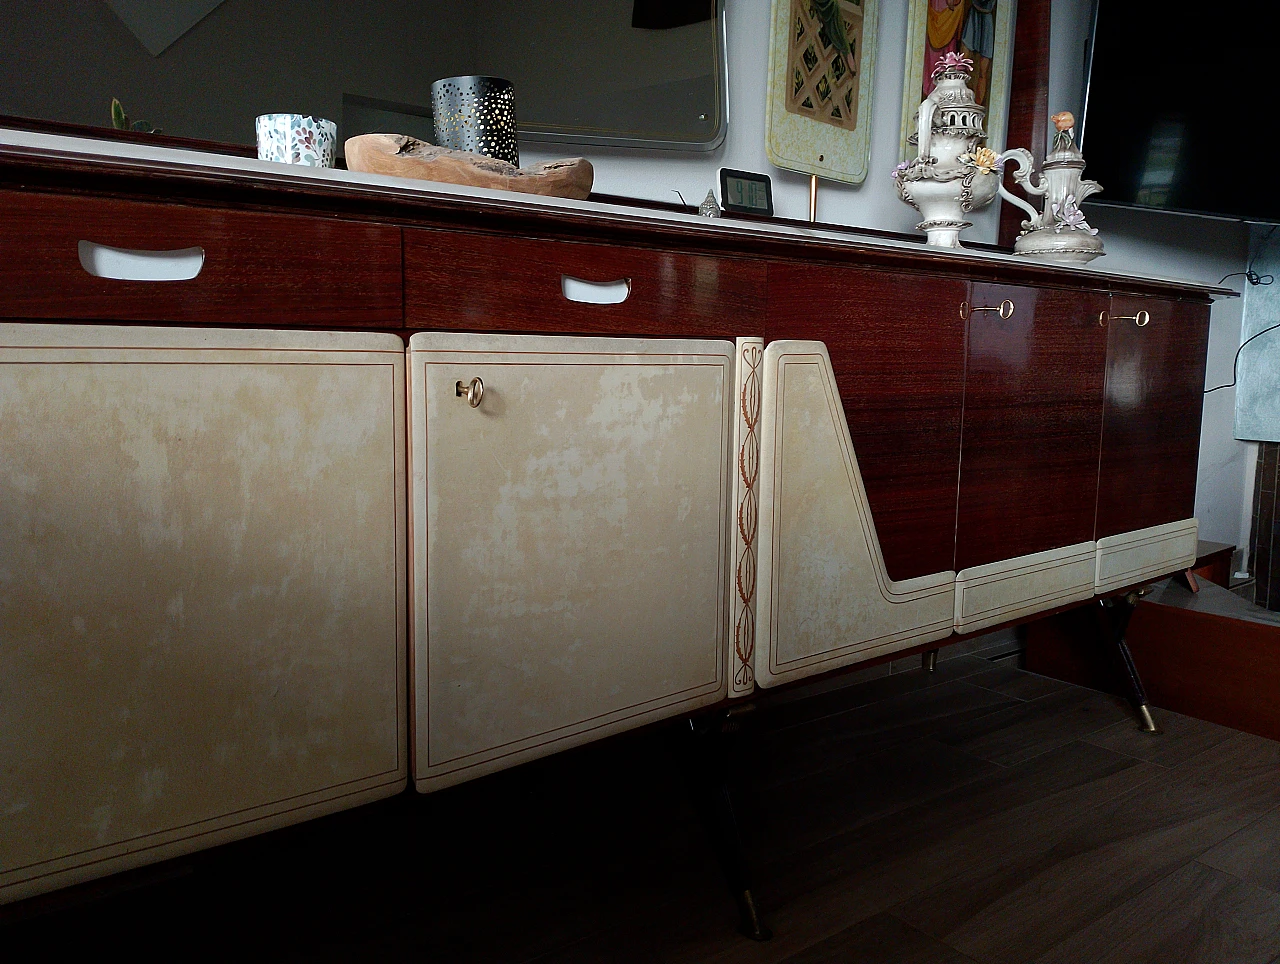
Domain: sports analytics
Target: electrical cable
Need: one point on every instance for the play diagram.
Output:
(1255, 279)
(1235, 365)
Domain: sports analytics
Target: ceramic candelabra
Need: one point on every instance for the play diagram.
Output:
(954, 173)
(1058, 232)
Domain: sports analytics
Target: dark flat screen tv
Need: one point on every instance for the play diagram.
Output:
(1178, 113)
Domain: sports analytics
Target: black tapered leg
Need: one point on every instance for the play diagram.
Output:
(710, 752)
(1113, 623)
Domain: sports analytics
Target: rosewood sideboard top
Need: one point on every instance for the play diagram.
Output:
(47, 162)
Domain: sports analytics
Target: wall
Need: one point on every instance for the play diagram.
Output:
(1258, 409)
(1195, 249)
(875, 204)
(66, 59)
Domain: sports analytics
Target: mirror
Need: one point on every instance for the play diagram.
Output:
(644, 73)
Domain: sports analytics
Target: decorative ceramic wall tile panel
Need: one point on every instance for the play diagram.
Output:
(1131, 557)
(1012, 588)
(825, 599)
(818, 111)
(571, 541)
(202, 609)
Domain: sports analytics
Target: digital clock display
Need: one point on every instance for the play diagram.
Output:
(748, 194)
(744, 193)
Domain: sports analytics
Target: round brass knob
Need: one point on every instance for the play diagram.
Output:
(473, 393)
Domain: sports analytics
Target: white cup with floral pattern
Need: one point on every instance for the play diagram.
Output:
(296, 139)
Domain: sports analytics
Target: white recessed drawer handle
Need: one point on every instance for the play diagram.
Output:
(595, 292)
(123, 264)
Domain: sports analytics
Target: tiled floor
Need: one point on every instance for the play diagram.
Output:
(976, 814)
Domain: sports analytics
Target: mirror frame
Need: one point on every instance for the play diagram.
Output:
(539, 134)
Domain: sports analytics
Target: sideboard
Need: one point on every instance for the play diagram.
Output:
(315, 483)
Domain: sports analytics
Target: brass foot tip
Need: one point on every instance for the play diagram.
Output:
(1148, 722)
(752, 926)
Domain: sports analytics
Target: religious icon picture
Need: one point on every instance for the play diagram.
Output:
(981, 30)
(820, 73)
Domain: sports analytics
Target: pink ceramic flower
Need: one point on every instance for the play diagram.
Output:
(954, 61)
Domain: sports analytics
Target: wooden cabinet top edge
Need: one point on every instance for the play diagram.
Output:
(57, 168)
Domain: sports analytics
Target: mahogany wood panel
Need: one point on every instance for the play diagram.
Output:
(1202, 664)
(488, 283)
(1151, 425)
(897, 348)
(269, 270)
(290, 190)
(1213, 562)
(1209, 666)
(1028, 100)
(1032, 423)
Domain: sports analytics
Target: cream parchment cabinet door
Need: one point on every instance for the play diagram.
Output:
(202, 589)
(571, 533)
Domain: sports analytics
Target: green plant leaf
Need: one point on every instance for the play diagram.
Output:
(119, 119)
(142, 126)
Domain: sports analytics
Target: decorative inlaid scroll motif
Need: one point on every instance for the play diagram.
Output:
(823, 60)
(750, 355)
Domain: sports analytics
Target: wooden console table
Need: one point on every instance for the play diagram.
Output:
(313, 482)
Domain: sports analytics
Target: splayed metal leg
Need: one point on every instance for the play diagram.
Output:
(1113, 622)
(929, 661)
(708, 772)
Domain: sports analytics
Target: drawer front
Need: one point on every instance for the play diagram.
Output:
(1016, 588)
(484, 283)
(1132, 557)
(249, 268)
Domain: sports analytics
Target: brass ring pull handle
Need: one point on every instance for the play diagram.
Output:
(1004, 309)
(473, 393)
(1141, 319)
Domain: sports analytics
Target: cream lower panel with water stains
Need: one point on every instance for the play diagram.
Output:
(1013, 588)
(1130, 557)
(825, 599)
(571, 541)
(202, 609)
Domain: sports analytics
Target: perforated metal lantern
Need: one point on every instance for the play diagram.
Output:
(476, 114)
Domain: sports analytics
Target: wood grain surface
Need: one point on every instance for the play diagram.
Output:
(269, 270)
(1032, 423)
(1151, 426)
(39, 169)
(897, 349)
(485, 282)
(399, 155)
